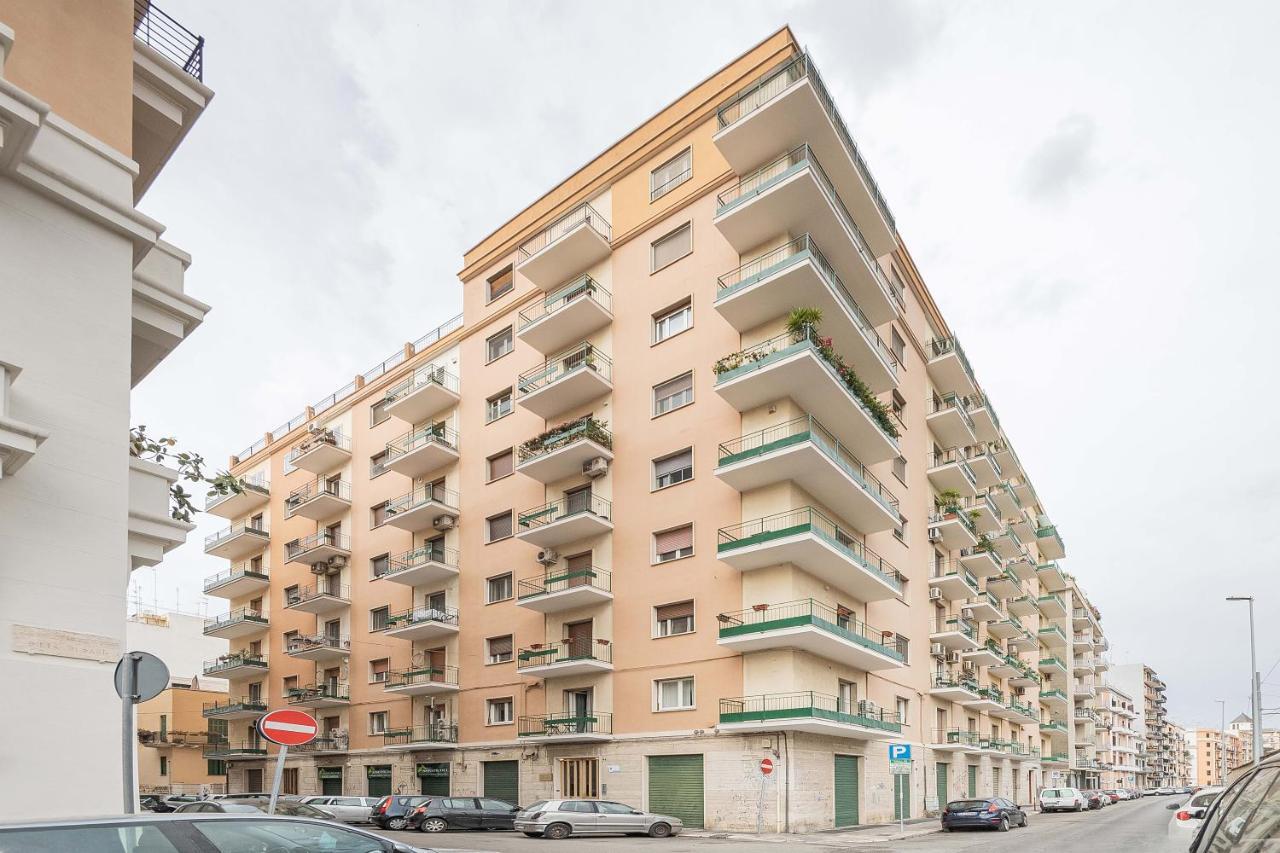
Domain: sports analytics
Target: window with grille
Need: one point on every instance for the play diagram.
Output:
(673, 619)
(672, 321)
(673, 394)
(674, 694)
(673, 544)
(580, 778)
(501, 284)
(498, 345)
(671, 174)
(670, 248)
(498, 405)
(499, 649)
(673, 469)
(501, 464)
(498, 588)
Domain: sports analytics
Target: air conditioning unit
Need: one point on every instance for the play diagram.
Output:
(319, 568)
(970, 668)
(596, 466)
(935, 594)
(953, 657)
(548, 557)
(936, 650)
(966, 613)
(337, 562)
(935, 535)
(445, 522)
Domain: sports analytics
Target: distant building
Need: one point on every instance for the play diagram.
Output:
(173, 738)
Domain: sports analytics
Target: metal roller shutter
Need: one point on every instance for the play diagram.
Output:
(973, 780)
(901, 796)
(846, 790)
(502, 781)
(676, 787)
(943, 770)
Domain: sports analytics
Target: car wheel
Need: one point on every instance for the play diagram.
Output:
(397, 823)
(660, 830)
(1003, 826)
(1077, 807)
(556, 831)
(434, 824)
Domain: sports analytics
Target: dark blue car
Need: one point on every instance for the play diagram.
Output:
(990, 813)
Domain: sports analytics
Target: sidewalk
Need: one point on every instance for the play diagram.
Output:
(852, 837)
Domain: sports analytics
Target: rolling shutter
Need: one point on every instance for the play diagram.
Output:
(846, 790)
(502, 780)
(676, 787)
(942, 771)
(973, 780)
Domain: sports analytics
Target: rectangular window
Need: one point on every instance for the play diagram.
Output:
(499, 711)
(900, 532)
(670, 248)
(497, 406)
(673, 619)
(498, 588)
(497, 526)
(900, 469)
(500, 465)
(673, 544)
(498, 345)
(377, 722)
(846, 696)
(379, 618)
(378, 412)
(378, 671)
(673, 394)
(164, 765)
(898, 345)
(904, 709)
(674, 694)
(378, 514)
(379, 565)
(676, 468)
(671, 174)
(498, 649)
(289, 781)
(501, 284)
(291, 596)
(215, 767)
(377, 463)
(898, 405)
(672, 321)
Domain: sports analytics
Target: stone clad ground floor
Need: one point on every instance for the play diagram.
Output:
(709, 780)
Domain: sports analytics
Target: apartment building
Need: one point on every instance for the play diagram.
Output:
(700, 477)
(1119, 743)
(94, 99)
(1157, 747)
(1215, 753)
(172, 738)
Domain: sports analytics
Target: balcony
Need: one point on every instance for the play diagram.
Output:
(1024, 605)
(422, 623)
(1052, 577)
(953, 688)
(952, 527)
(980, 560)
(985, 422)
(1053, 666)
(430, 564)
(237, 581)
(254, 492)
(422, 509)
(322, 599)
(985, 607)
(954, 740)
(321, 648)
(951, 373)
(565, 451)
(1026, 676)
(806, 711)
(317, 548)
(950, 423)
(236, 665)
(332, 694)
(1053, 697)
(954, 582)
(1006, 499)
(1023, 567)
(580, 656)
(1052, 606)
(321, 451)
(1049, 542)
(987, 520)
(423, 451)
(1024, 640)
(828, 632)
(989, 655)
(804, 451)
(793, 194)
(560, 589)
(1052, 637)
(422, 681)
(809, 372)
(988, 699)
(331, 744)
(955, 633)
(240, 750)
(808, 539)
(1007, 544)
(788, 105)
(318, 500)
(1056, 759)
(566, 381)
(1005, 584)
(798, 273)
(567, 247)
(1022, 488)
(238, 541)
(566, 316)
(427, 393)
(441, 735)
(1020, 525)
(949, 471)
(236, 708)
(1019, 712)
(566, 727)
(982, 462)
(241, 622)
(578, 516)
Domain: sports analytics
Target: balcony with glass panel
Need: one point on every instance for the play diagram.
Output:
(321, 451)
(319, 499)
(566, 315)
(255, 492)
(1052, 606)
(569, 246)
(564, 588)
(238, 541)
(950, 423)
(423, 451)
(807, 711)
(423, 680)
(238, 581)
(568, 380)
(425, 394)
(951, 373)
(422, 509)
(832, 633)
(1049, 542)
(565, 450)
(430, 564)
(1052, 577)
(578, 515)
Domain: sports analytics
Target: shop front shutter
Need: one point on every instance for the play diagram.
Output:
(434, 779)
(502, 781)
(676, 787)
(846, 790)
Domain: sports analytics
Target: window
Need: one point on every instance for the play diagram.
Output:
(672, 321)
(847, 697)
(377, 463)
(291, 596)
(674, 694)
(499, 711)
(500, 465)
(904, 709)
(379, 565)
(673, 469)
(497, 406)
(673, 394)
(671, 174)
(673, 544)
(215, 767)
(898, 405)
(498, 588)
(580, 777)
(900, 532)
(498, 649)
(897, 345)
(377, 722)
(900, 469)
(164, 765)
(378, 514)
(378, 671)
(378, 412)
(668, 249)
(379, 618)
(501, 284)
(673, 619)
(289, 781)
(498, 345)
(497, 526)
(289, 684)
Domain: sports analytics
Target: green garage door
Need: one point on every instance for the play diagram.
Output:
(973, 780)
(502, 781)
(433, 779)
(942, 771)
(846, 790)
(901, 796)
(675, 787)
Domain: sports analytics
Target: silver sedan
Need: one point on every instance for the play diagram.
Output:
(558, 819)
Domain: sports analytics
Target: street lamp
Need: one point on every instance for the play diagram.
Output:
(1254, 686)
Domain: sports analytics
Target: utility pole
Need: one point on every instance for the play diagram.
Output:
(1254, 682)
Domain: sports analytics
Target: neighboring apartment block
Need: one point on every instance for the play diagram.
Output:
(1161, 743)
(1119, 742)
(699, 477)
(94, 99)
(172, 738)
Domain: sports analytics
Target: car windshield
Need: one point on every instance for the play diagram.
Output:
(966, 805)
(1202, 801)
(134, 838)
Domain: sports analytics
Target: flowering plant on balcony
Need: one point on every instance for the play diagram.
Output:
(586, 426)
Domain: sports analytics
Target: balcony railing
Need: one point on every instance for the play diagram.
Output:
(938, 347)
(961, 682)
(244, 570)
(586, 427)
(567, 723)
(331, 437)
(582, 287)
(578, 503)
(220, 748)
(793, 614)
(799, 430)
(434, 493)
(422, 675)
(335, 690)
(234, 704)
(559, 580)
(309, 593)
(432, 552)
(240, 614)
(221, 536)
(314, 489)
(953, 513)
(806, 705)
(956, 737)
(949, 624)
(233, 661)
(952, 569)
(169, 38)
(256, 483)
(318, 641)
(801, 521)
(438, 434)
(582, 648)
(430, 375)
(418, 615)
(324, 538)
(584, 355)
(949, 403)
(582, 214)
(442, 732)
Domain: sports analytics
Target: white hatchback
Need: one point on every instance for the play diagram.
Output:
(1187, 819)
(1062, 800)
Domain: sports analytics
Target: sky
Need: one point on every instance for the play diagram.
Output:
(1087, 189)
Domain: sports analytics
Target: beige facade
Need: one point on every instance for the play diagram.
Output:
(172, 737)
(623, 530)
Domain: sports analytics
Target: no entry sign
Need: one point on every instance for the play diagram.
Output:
(288, 727)
(766, 766)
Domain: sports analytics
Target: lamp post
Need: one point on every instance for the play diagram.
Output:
(1254, 686)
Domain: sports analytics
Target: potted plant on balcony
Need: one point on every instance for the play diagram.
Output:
(947, 503)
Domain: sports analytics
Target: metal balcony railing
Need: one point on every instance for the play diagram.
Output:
(319, 438)
(421, 496)
(240, 614)
(806, 705)
(234, 704)
(583, 356)
(432, 552)
(250, 527)
(579, 503)
(243, 570)
(441, 732)
(582, 648)
(316, 540)
(939, 347)
(836, 621)
(949, 624)
(419, 615)
(324, 590)
(566, 723)
(437, 434)
(430, 375)
(318, 641)
(256, 483)
(314, 489)
(169, 38)
(422, 675)
(582, 287)
(585, 428)
(234, 660)
(559, 580)
(335, 690)
(581, 214)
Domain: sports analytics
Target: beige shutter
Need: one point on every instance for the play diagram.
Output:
(674, 540)
(500, 466)
(672, 247)
(683, 459)
(500, 526)
(500, 645)
(680, 610)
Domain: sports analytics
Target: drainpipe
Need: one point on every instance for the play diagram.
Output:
(786, 796)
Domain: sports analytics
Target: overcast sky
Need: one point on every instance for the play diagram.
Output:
(1089, 190)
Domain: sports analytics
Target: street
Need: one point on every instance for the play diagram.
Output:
(1134, 827)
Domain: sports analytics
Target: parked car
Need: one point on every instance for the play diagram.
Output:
(162, 804)
(1245, 818)
(442, 813)
(289, 808)
(1094, 799)
(1162, 791)
(191, 832)
(1120, 793)
(990, 813)
(392, 812)
(1111, 795)
(345, 809)
(1062, 800)
(558, 819)
(1186, 821)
